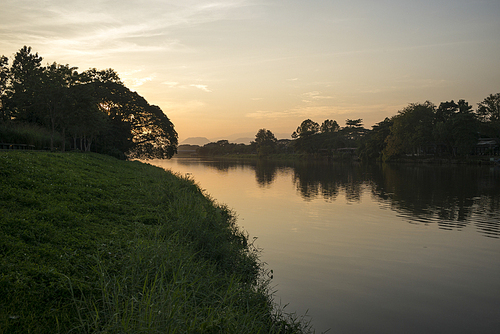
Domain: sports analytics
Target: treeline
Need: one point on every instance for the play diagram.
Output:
(450, 130)
(309, 138)
(88, 111)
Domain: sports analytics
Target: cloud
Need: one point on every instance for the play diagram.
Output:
(175, 84)
(101, 28)
(263, 114)
(310, 97)
(319, 113)
(171, 84)
(272, 114)
(202, 87)
(136, 82)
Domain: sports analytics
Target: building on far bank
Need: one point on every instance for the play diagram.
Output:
(487, 146)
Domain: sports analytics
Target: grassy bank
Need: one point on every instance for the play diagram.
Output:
(91, 244)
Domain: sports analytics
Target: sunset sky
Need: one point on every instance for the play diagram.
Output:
(219, 68)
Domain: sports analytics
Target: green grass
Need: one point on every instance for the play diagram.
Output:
(91, 244)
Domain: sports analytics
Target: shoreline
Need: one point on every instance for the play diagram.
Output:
(472, 160)
(90, 243)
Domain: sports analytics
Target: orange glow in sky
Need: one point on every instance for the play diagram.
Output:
(219, 68)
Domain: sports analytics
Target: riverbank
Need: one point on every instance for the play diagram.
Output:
(470, 160)
(287, 157)
(302, 157)
(92, 244)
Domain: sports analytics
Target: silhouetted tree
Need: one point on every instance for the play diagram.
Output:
(375, 142)
(93, 107)
(265, 142)
(55, 95)
(4, 81)
(353, 129)
(26, 85)
(329, 126)
(445, 111)
(306, 129)
(411, 130)
(489, 109)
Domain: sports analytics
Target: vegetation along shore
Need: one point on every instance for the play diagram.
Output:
(452, 132)
(93, 244)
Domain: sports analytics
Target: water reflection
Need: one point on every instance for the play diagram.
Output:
(328, 180)
(412, 249)
(453, 197)
(221, 165)
(265, 172)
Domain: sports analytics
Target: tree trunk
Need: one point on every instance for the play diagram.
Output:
(63, 139)
(52, 135)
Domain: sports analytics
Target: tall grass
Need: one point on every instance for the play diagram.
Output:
(91, 244)
(29, 134)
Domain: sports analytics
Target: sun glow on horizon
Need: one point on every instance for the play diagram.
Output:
(220, 68)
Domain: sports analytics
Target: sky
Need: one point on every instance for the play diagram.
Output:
(222, 68)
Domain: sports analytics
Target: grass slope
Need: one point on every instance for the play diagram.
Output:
(91, 244)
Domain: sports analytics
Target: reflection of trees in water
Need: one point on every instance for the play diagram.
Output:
(453, 197)
(487, 210)
(265, 172)
(219, 165)
(328, 180)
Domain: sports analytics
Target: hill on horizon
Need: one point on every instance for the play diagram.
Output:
(238, 138)
(195, 141)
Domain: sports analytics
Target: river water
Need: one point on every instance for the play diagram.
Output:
(379, 249)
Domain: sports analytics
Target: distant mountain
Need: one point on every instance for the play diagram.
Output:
(243, 140)
(195, 141)
(247, 137)
(238, 138)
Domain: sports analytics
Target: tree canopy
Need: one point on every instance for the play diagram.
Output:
(92, 110)
(265, 142)
(306, 129)
(489, 109)
(451, 130)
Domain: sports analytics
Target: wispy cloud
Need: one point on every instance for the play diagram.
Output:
(202, 87)
(101, 28)
(171, 84)
(175, 84)
(320, 113)
(136, 82)
(134, 79)
(267, 114)
(314, 95)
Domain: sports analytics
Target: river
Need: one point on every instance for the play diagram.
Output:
(377, 249)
